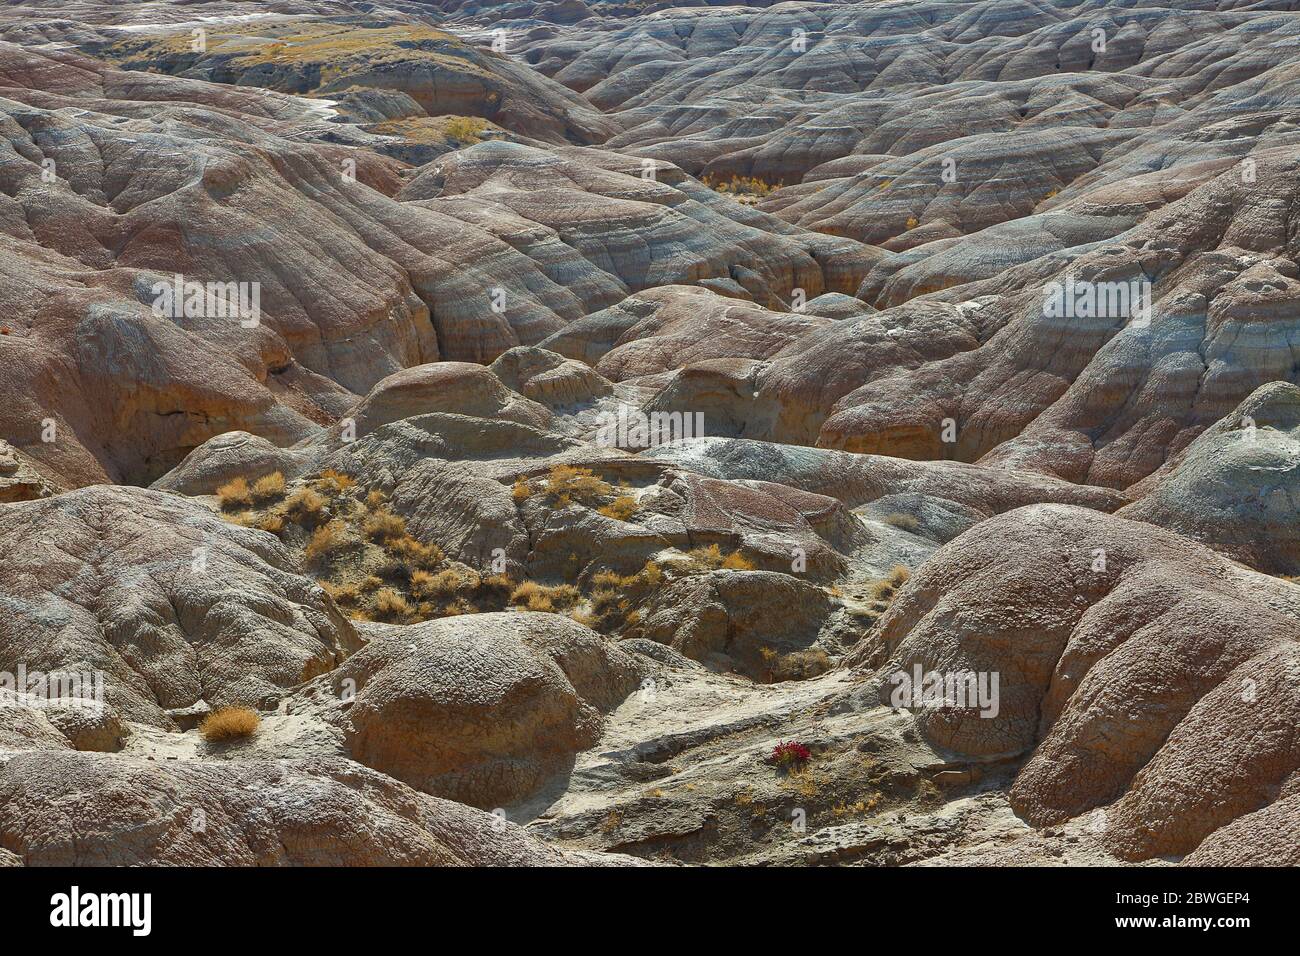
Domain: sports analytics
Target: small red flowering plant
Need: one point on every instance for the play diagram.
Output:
(790, 755)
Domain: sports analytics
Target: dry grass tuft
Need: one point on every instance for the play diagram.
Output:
(273, 523)
(738, 562)
(445, 584)
(328, 540)
(711, 558)
(705, 559)
(539, 597)
(466, 129)
(620, 509)
(498, 587)
(235, 494)
(305, 506)
(741, 186)
(335, 482)
(269, 488)
(390, 605)
(384, 526)
(566, 482)
(229, 723)
(415, 553)
(344, 595)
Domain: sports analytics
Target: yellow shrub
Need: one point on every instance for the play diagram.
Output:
(604, 601)
(738, 562)
(565, 481)
(328, 540)
(229, 723)
(706, 558)
(444, 584)
(457, 607)
(343, 594)
(537, 597)
(416, 554)
(525, 592)
(466, 129)
(564, 595)
(235, 494)
(384, 525)
(608, 579)
(651, 575)
(389, 604)
(335, 482)
(521, 489)
(620, 509)
(498, 586)
(271, 522)
(305, 505)
(269, 487)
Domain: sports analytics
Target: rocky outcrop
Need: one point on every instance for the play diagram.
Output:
(747, 622)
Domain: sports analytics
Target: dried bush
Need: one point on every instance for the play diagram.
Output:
(268, 488)
(620, 509)
(235, 494)
(229, 723)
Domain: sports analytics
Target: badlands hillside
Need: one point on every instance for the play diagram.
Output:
(566, 432)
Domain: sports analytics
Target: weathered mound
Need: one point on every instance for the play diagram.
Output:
(480, 708)
(66, 809)
(669, 327)
(985, 171)
(173, 605)
(548, 377)
(1098, 393)
(459, 388)
(1237, 487)
(643, 224)
(1139, 672)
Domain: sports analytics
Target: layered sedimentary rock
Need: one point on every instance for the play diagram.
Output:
(557, 407)
(314, 278)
